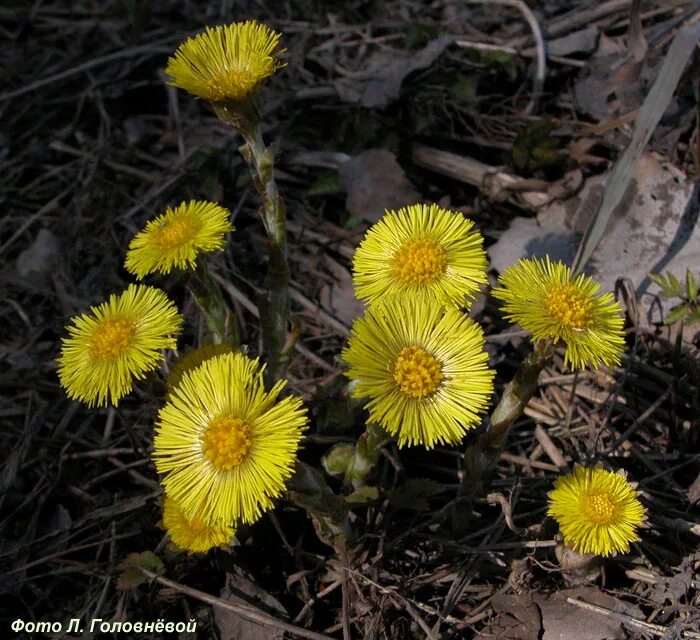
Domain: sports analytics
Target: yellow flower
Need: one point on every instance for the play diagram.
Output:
(176, 238)
(422, 251)
(192, 359)
(226, 63)
(192, 534)
(424, 369)
(544, 298)
(597, 511)
(117, 342)
(223, 444)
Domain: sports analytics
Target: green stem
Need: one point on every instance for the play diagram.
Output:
(274, 303)
(207, 295)
(481, 457)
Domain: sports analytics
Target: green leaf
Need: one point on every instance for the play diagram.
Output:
(693, 317)
(675, 284)
(326, 184)
(131, 577)
(464, 88)
(676, 314)
(363, 495)
(414, 494)
(336, 461)
(659, 279)
(691, 286)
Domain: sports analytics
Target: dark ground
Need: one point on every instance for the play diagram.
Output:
(93, 143)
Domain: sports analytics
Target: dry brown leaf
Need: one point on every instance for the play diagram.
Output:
(517, 618)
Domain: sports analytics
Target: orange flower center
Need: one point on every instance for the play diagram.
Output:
(111, 338)
(569, 306)
(419, 261)
(417, 373)
(174, 233)
(225, 442)
(600, 508)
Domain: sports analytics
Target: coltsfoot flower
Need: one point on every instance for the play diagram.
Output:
(224, 445)
(226, 63)
(424, 369)
(192, 359)
(597, 510)
(192, 534)
(115, 343)
(422, 251)
(546, 300)
(176, 238)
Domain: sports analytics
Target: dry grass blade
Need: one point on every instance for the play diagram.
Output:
(649, 115)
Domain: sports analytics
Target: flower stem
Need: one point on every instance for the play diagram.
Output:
(207, 294)
(481, 457)
(274, 303)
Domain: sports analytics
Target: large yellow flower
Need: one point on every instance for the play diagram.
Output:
(176, 238)
(223, 445)
(192, 534)
(192, 359)
(117, 342)
(424, 369)
(226, 63)
(597, 511)
(422, 251)
(546, 300)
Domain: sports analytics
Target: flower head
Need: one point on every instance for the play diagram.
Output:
(192, 359)
(224, 445)
(597, 511)
(546, 300)
(176, 238)
(424, 369)
(192, 534)
(226, 63)
(422, 251)
(116, 342)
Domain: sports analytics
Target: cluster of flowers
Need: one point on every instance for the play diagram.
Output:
(225, 446)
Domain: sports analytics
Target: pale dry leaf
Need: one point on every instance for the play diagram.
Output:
(233, 626)
(517, 618)
(562, 620)
(374, 181)
(652, 230)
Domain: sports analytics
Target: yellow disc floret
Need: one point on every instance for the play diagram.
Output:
(569, 305)
(600, 508)
(417, 373)
(111, 338)
(175, 232)
(226, 442)
(420, 261)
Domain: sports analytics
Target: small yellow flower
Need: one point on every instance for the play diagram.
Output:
(224, 445)
(117, 342)
(192, 359)
(176, 238)
(226, 63)
(423, 251)
(424, 369)
(192, 534)
(546, 300)
(597, 511)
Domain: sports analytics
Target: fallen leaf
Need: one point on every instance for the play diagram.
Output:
(385, 73)
(517, 618)
(233, 626)
(651, 231)
(39, 258)
(562, 620)
(374, 181)
(339, 298)
(130, 576)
